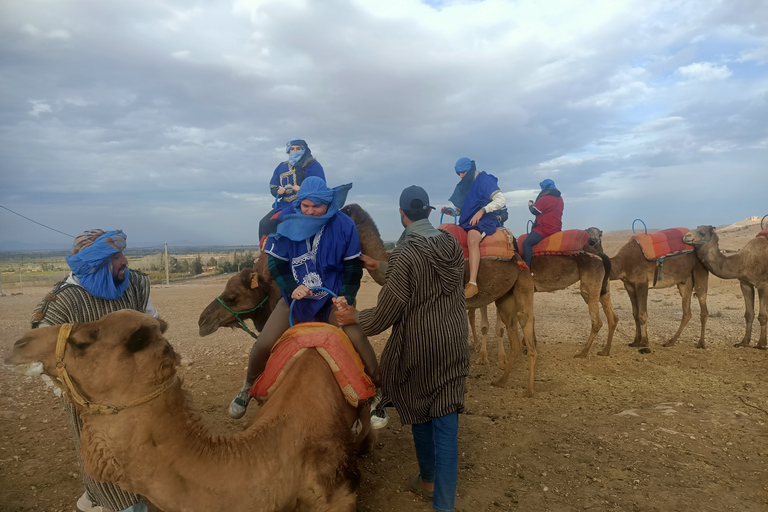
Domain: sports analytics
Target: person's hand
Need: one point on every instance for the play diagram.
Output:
(369, 263)
(345, 314)
(530, 203)
(295, 188)
(280, 191)
(300, 292)
(476, 217)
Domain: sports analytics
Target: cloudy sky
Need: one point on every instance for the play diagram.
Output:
(166, 118)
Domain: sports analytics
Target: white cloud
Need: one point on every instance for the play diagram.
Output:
(704, 72)
(39, 107)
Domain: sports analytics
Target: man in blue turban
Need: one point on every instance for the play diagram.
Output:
(477, 200)
(100, 283)
(287, 179)
(315, 245)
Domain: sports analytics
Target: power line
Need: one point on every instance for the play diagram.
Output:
(38, 223)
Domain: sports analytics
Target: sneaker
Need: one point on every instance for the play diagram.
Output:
(86, 505)
(379, 418)
(240, 403)
(470, 290)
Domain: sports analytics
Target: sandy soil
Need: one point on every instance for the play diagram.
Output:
(676, 429)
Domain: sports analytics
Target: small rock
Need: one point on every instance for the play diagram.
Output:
(186, 362)
(740, 413)
(207, 377)
(628, 412)
(10, 415)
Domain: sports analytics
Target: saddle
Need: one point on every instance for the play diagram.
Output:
(568, 242)
(330, 342)
(763, 234)
(663, 244)
(499, 245)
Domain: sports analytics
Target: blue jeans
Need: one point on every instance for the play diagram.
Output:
(437, 448)
(532, 239)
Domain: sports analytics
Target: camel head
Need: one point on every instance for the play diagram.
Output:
(595, 236)
(701, 236)
(102, 357)
(243, 292)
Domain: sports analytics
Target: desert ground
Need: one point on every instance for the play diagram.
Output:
(676, 429)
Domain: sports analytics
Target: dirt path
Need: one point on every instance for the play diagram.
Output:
(677, 429)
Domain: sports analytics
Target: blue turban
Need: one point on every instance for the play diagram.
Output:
(91, 262)
(297, 226)
(298, 158)
(547, 184)
(460, 192)
(465, 165)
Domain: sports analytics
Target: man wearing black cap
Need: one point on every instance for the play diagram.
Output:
(425, 362)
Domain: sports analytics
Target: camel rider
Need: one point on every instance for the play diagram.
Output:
(287, 179)
(315, 245)
(548, 209)
(477, 199)
(100, 283)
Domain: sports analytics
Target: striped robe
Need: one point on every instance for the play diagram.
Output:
(69, 303)
(426, 359)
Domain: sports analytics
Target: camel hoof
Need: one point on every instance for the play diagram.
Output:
(581, 355)
(503, 364)
(483, 359)
(604, 353)
(670, 343)
(528, 393)
(499, 383)
(761, 347)
(636, 344)
(742, 344)
(701, 346)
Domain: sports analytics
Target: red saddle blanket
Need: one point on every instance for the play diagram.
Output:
(764, 234)
(662, 243)
(498, 245)
(562, 242)
(330, 342)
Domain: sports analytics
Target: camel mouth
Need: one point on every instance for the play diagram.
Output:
(30, 369)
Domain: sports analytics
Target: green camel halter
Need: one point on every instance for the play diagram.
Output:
(238, 313)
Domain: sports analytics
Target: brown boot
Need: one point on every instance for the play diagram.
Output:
(470, 290)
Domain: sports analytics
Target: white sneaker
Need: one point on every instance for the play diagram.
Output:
(240, 403)
(86, 505)
(379, 418)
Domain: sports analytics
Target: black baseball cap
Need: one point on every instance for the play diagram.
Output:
(414, 198)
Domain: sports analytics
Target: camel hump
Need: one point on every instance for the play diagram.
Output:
(499, 245)
(563, 242)
(330, 342)
(662, 244)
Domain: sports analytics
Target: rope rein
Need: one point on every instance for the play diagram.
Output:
(238, 313)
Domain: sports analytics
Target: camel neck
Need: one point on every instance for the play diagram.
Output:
(724, 267)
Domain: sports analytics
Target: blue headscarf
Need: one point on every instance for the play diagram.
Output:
(460, 192)
(298, 158)
(91, 262)
(297, 226)
(547, 184)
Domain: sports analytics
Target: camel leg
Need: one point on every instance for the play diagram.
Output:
(613, 321)
(483, 357)
(763, 316)
(642, 312)
(343, 499)
(700, 284)
(520, 310)
(475, 345)
(686, 292)
(507, 316)
(748, 291)
(632, 292)
(591, 297)
(500, 337)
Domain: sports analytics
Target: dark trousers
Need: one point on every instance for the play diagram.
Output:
(528, 244)
(437, 448)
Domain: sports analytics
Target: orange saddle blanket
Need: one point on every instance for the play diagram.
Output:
(563, 242)
(764, 234)
(661, 244)
(331, 343)
(499, 245)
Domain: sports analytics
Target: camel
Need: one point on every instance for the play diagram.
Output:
(250, 292)
(749, 266)
(684, 271)
(499, 282)
(297, 454)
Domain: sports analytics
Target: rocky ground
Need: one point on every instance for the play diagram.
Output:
(676, 429)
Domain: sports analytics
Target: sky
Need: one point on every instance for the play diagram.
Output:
(166, 118)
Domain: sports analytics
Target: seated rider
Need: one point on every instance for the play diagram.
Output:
(315, 245)
(287, 179)
(477, 199)
(548, 210)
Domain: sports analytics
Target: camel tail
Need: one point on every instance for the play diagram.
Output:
(607, 276)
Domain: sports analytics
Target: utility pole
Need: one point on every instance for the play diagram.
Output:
(167, 276)
(1, 288)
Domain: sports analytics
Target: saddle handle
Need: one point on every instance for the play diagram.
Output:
(643, 223)
(528, 227)
(453, 213)
(293, 302)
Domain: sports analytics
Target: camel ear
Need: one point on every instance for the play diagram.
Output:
(714, 230)
(163, 325)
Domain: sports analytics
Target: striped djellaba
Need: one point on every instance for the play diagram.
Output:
(426, 359)
(70, 303)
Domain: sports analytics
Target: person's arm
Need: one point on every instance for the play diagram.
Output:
(281, 271)
(274, 183)
(353, 273)
(151, 309)
(497, 202)
(392, 300)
